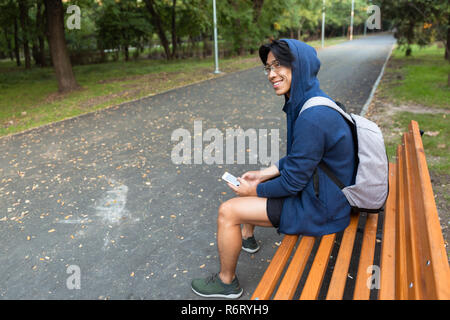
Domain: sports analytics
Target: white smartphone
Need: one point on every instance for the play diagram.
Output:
(231, 179)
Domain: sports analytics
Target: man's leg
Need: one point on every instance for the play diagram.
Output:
(247, 230)
(233, 213)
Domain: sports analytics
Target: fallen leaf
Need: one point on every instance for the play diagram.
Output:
(51, 230)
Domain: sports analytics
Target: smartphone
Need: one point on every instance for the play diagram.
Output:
(231, 179)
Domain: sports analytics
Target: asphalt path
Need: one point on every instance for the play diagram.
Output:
(99, 196)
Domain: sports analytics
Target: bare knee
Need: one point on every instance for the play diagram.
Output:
(226, 213)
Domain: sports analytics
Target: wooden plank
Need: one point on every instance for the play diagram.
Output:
(290, 281)
(315, 277)
(415, 285)
(435, 248)
(273, 272)
(387, 257)
(401, 281)
(340, 272)
(362, 289)
(423, 273)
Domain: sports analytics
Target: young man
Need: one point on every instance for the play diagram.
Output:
(293, 195)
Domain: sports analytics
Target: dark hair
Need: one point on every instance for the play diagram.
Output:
(280, 49)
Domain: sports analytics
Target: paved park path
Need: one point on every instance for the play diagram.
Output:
(99, 196)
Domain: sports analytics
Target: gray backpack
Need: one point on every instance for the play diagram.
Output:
(371, 187)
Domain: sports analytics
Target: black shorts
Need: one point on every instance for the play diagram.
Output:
(274, 207)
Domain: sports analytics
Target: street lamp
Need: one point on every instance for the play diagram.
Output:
(351, 20)
(323, 23)
(216, 50)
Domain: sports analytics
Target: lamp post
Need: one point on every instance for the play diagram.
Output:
(351, 20)
(216, 50)
(323, 23)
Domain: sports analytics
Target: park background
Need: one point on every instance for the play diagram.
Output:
(126, 50)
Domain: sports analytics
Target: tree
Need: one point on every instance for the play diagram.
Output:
(121, 24)
(58, 48)
(300, 14)
(418, 21)
(24, 23)
(159, 14)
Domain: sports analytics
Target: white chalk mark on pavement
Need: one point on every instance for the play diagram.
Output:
(112, 206)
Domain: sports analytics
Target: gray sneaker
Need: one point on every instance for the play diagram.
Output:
(213, 287)
(250, 245)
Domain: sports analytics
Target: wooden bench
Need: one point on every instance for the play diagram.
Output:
(411, 254)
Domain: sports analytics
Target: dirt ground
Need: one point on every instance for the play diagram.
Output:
(381, 111)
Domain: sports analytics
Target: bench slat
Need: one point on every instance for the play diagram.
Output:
(340, 271)
(415, 286)
(387, 259)
(273, 272)
(287, 287)
(424, 282)
(315, 277)
(401, 281)
(362, 290)
(433, 256)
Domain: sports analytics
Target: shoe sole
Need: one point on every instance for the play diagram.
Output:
(218, 295)
(250, 250)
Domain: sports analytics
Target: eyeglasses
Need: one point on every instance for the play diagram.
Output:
(272, 67)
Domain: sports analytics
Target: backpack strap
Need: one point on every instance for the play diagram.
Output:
(323, 101)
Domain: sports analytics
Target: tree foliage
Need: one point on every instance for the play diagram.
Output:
(418, 21)
(178, 26)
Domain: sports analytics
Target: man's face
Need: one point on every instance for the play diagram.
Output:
(280, 76)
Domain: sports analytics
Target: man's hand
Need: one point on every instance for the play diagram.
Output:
(245, 189)
(252, 176)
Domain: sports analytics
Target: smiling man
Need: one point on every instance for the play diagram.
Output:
(293, 195)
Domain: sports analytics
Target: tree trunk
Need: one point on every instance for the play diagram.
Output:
(58, 47)
(16, 42)
(23, 8)
(156, 21)
(447, 49)
(40, 33)
(206, 45)
(257, 6)
(174, 31)
(8, 44)
(35, 53)
(125, 51)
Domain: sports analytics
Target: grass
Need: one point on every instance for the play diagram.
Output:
(29, 98)
(423, 77)
(435, 139)
(419, 82)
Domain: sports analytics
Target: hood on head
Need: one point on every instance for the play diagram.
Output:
(305, 67)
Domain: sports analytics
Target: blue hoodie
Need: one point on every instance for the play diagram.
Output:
(319, 134)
